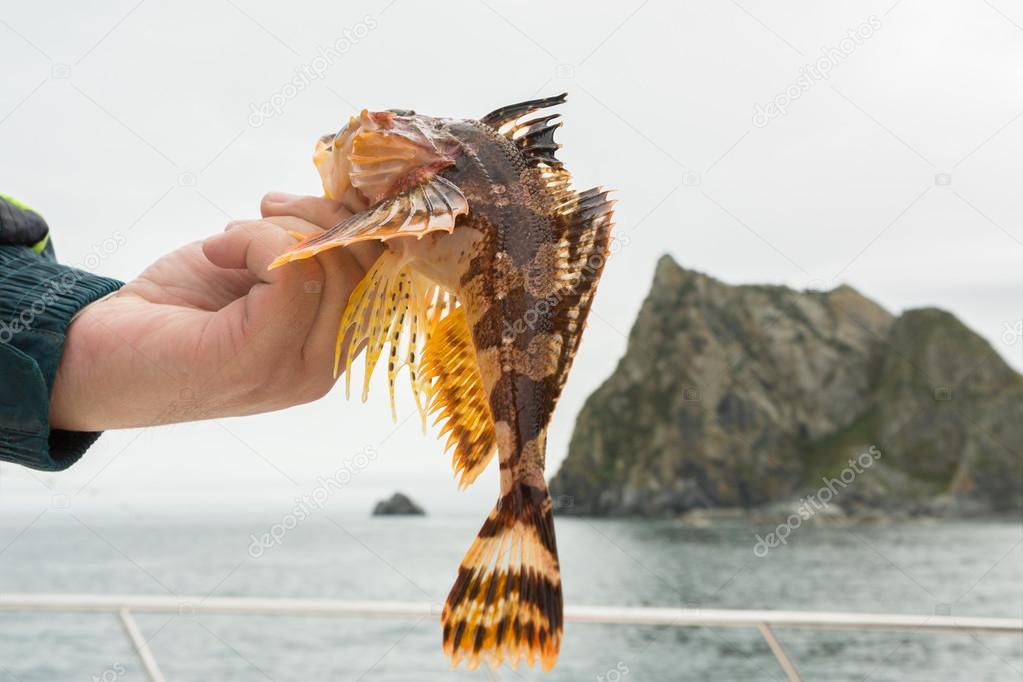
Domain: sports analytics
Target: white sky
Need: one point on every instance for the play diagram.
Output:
(134, 117)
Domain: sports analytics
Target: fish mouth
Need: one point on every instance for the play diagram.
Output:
(376, 154)
(333, 160)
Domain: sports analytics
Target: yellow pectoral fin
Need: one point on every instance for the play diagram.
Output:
(388, 312)
(457, 395)
(398, 313)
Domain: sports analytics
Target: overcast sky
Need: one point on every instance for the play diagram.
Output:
(893, 164)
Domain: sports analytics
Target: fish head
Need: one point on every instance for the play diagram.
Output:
(379, 153)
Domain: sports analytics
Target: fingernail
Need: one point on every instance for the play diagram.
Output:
(279, 197)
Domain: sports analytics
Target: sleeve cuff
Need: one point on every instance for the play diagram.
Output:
(38, 299)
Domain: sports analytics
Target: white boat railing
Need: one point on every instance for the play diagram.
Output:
(125, 605)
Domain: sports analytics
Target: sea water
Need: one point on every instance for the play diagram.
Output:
(921, 567)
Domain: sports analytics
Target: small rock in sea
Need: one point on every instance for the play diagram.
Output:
(398, 504)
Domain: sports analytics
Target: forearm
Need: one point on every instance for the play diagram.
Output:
(131, 362)
(105, 381)
(37, 299)
(117, 371)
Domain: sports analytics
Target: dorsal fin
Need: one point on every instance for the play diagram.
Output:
(586, 220)
(537, 141)
(507, 114)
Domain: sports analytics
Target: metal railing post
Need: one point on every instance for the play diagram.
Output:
(138, 642)
(779, 653)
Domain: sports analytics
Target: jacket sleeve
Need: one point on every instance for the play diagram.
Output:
(38, 299)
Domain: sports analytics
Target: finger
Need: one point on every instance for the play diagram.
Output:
(366, 253)
(342, 271)
(320, 211)
(227, 249)
(294, 224)
(341, 274)
(317, 210)
(251, 245)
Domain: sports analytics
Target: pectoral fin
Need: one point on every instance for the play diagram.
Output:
(390, 309)
(397, 312)
(430, 206)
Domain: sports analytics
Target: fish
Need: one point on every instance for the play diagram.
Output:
(491, 263)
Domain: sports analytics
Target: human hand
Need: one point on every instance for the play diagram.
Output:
(207, 331)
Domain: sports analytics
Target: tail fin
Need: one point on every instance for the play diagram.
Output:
(506, 603)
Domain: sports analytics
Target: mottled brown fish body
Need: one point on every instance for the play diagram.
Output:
(493, 259)
(517, 349)
(505, 291)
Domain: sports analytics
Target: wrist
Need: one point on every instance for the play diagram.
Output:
(110, 375)
(78, 378)
(128, 362)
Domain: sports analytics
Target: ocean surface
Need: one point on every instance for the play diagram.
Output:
(971, 568)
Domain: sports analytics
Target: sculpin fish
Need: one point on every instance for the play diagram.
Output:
(482, 294)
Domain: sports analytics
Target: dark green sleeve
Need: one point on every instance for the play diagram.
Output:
(38, 299)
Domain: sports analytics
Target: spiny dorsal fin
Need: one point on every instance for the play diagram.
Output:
(558, 183)
(507, 114)
(537, 142)
(586, 223)
(535, 137)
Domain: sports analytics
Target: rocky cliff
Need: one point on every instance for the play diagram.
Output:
(744, 396)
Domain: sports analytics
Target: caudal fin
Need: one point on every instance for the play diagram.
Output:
(506, 603)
